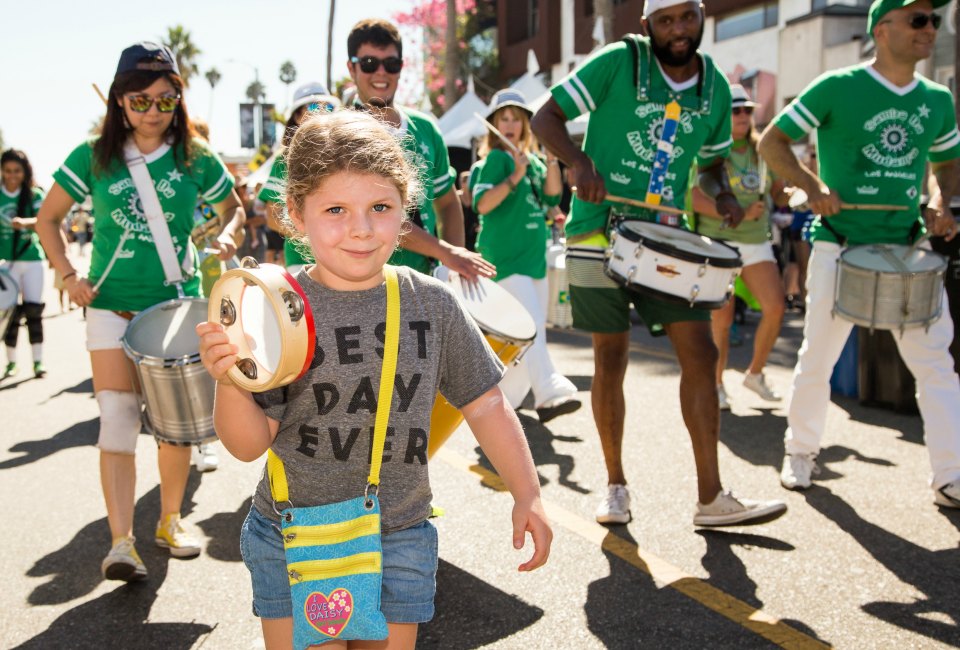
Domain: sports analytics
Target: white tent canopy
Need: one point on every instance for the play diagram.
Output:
(462, 111)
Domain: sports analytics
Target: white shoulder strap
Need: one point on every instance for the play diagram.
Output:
(153, 211)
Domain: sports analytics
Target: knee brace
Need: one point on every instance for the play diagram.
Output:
(13, 327)
(119, 421)
(33, 311)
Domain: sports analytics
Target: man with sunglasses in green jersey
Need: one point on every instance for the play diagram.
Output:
(375, 60)
(878, 124)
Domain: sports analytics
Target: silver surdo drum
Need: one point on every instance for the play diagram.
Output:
(177, 390)
(889, 286)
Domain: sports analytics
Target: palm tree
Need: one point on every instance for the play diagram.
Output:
(288, 74)
(333, 7)
(213, 78)
(256, 92)
(452, 64)
(184, 50)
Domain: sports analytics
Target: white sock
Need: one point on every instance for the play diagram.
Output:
(37, 349)
(11, 354)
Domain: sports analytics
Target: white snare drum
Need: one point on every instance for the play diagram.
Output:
(672, 264)
(265, 313)
(177, 390)
(9, 295)
(506, 324)
(889, 286)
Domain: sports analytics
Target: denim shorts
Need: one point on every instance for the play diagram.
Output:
(409, 570)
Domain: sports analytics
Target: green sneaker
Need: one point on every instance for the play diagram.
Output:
(11, 370)
(38, 369)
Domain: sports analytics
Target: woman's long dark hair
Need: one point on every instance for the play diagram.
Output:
(108, 149)
(25, 200)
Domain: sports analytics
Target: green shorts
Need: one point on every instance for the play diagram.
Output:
(602, 306)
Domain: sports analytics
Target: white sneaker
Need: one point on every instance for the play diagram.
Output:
(205, 458)
(797, 470)
(948, 496)
(758, 384)
(123, 562)
(722, 398)
(615, 507)
(727, 510)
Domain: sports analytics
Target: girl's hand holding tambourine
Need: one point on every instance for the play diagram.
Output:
(217, 354)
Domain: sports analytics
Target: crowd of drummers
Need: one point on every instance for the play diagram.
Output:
(675, 210)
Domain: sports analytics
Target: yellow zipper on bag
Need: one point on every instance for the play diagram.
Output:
(342, 531)
(324, 569)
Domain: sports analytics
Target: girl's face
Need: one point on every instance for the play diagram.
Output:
(152, 123)
(509, 123)
(353, 221)
(12, 175)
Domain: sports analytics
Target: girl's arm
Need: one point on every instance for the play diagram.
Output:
(231, 213)
(55, 207)
(497, 429)
(239, 421)
(499, 192)
(553, 185)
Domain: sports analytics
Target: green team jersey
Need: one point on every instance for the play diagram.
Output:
(744, 171)
(513, 235)
(876, 153)
(136, 280)
(19, 245)
(273, 192)
(626, 120)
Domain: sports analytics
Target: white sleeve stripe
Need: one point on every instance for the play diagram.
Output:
(440, 180)
(583, 90)
(80, 185)
(797, 119)
(215, 190)
(947, 136)
(808, 116)
(949, 144)
(718, 147)
(574, 94)
(482, 187)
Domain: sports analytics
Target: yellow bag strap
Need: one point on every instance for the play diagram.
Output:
(275, 471)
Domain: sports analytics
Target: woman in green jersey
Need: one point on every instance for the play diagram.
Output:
(21, 255)
(754, 188)
(512, 191)
(145, 110)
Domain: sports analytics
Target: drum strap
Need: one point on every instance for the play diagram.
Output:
(137, 165)
(275, 471)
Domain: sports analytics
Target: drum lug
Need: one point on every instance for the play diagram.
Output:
(702, 271)
(228, 313)
(248, 367)
(294, 305)
(694, 292)
(631, 272)
(249, 263)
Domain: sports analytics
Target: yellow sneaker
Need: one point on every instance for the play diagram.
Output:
(123, 562)
(170, 534)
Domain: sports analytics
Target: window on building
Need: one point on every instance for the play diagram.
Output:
(749, 20)
(533, 18)
(523, 21)
(822, 4)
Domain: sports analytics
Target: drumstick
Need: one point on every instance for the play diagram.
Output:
(497, 133)
(97, 89)
(799, 197)
(613, 198)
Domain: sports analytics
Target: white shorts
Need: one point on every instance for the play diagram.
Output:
(104, 329)
(754, 253)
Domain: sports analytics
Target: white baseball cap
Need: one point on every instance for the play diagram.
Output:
(650, 7)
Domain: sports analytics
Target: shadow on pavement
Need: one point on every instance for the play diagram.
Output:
(85, 386)
(935, 574)
(756, 437)
(80, 434)
(910, 427)
(223, 532)
(471, 613)
(727, 571)
(541, 440)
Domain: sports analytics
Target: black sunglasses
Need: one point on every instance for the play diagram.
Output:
(919, 21)
(370, 64)
(737, 110)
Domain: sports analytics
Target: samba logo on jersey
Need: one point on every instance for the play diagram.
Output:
(644, 145)
(895, 131)
(132, 217)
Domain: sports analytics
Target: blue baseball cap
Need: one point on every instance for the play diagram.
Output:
(148, 56)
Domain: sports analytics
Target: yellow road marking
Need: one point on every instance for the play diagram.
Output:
(663, 573)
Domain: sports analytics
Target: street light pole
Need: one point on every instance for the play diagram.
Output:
(257, 108)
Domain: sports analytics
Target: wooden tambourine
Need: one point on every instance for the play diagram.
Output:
(265, 313)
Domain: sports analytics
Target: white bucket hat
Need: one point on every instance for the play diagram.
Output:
(739, 97)
(313, 93)
(508, 97)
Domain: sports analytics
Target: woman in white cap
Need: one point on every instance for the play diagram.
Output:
(308, 98)
(512, 190)
(146, 115)
(755, 189)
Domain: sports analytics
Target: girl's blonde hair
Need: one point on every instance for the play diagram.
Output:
(344, 141)
(528, 143)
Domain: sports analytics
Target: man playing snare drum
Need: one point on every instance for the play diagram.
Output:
(878, 123)
(627, 88)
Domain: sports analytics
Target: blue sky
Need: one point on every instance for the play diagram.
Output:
(52, 50)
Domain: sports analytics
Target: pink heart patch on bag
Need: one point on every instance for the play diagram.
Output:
(329, 615)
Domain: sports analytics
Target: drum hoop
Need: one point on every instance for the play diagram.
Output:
(845, 260)
(662, 295)
(507, 338)
(307, 314)
(672, 251)
(149, 359)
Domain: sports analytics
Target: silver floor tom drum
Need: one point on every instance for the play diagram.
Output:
(889, 286)
(672, 264)
(177, 390)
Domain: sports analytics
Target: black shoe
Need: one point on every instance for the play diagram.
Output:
(547, 413)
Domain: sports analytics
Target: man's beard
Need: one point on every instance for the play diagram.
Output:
(668, 58)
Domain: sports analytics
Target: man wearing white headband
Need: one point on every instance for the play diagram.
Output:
(638, 91)
(878, 124)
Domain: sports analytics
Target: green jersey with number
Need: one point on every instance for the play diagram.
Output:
(513, 235)
(136, 280)
(744, 171)
(873, 143)
(626, 121)
(19, 245)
